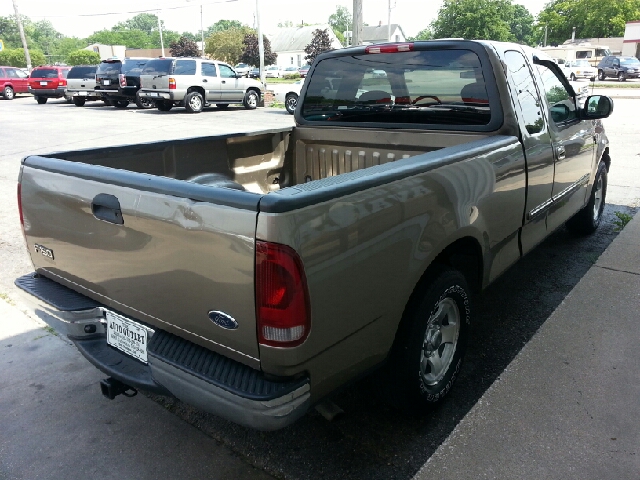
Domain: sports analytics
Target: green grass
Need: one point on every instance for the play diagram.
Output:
(6, 298)
(280, 80)
(622, 220)
(615, 84)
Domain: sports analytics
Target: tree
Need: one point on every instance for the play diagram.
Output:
(251, 53)
(83, 57)
(221, 26)
(285, 24)
(425, 34)
(146, 22)
(168, 37)
(45, 36)
(10, 34)
(521, 25)
(65, 45)
(14, 57)
(184, 48)
(227, 45)
(592, 18)
(128, 38)
(480, 19)
(191, 36)
(320, 43)
(340, 22)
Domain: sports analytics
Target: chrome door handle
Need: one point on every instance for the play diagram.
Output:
(205, 80)
(561, 153)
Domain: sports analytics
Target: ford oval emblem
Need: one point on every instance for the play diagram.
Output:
(223, 320)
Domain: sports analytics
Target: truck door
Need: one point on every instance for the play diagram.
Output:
(537, 146)
(210, 82)
(573, 145)
(229, 84)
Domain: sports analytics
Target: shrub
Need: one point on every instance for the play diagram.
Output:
(83, 57)
(14, 57)
(292, 76)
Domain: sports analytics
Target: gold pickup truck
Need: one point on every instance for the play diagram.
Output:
(252, 275)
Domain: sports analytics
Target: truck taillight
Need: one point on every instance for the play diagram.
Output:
(390, 48)
(62, 83)
(123, 80)
(282, 297)
(20, 206)
(172, 83)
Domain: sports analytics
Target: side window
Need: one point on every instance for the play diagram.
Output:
(64, 73)
(209, 70)
(562, 106)
(185, 67)
(526, 91)
(226, 71)
(11, 73)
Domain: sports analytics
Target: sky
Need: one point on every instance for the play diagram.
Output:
(184, 15)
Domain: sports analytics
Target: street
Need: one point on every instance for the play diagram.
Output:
(55, 423)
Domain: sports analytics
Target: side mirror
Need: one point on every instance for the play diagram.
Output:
(597, 106)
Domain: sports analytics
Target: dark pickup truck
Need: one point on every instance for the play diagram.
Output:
(118, 81)
(254, 274)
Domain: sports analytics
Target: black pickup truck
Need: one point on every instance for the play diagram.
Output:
(118, 81)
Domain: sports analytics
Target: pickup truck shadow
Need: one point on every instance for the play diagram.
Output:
(183, 111)
(372, 440)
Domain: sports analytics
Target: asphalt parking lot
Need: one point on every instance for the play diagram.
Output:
(371, 440)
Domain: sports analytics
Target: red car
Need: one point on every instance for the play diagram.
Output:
(304, 70)
(12, 81)
(48, 82)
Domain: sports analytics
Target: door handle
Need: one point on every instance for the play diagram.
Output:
(224, 81)
(107, 207)
(561, 153)
(205, 80)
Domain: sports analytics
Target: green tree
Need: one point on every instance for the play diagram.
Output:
(227, 45)
(65, 45)
(128, 38)
(425, 34)
(146, 22)
(478, 19)
(184, 48)
(251, 54)
(14, 57)
(83, 57)
(194, 37)
(592, 18)
(10, 34)
(521, 25)
(45, 36)
(168, 37)
(340, 22)
(222, 25)
(320, 43)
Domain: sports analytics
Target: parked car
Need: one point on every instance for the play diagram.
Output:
(12, 81)
(243, 69)
(290, 71)
(304, 70)
(615, 66)
(49, 81)
(288, 94)
(81, 84)
(579, 69)
(195, 83)
(118, 81)
(273, 71)
(254, 73)
(254, 274)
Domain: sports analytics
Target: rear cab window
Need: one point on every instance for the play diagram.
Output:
(82, 72)
(446, 88)
(109, 68)
(44, 73)
(133, 67)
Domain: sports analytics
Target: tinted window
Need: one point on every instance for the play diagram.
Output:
(630, 61)
(562, 106)
(10, 73)
(226, 71)
(185, 67)
(528, 97)
(44, 73)
(443, 87)
(133, 67)
(602, 52)
(584, 53)
(82, 72)
(160, 66)
(109, 68)
(209, 70)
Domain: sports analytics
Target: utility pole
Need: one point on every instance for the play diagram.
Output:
(260, 42)
(22, 37)
(389, 23)
(201, 31)
(545, 35)
(357, 22)
(160, 30)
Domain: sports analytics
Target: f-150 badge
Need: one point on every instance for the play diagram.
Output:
(223, 320)
(44, 251)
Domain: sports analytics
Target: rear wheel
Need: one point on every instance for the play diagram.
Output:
(41, 100)
(164, 106)
(290, 102)
(79, 101)
(573, 78)
(193, 102)
(68, 99)
(601, 75)
(8, 93)
(222, 106)
(586, 221)
(251, 99)
(107, 102)
(144, 103)
(120, 103)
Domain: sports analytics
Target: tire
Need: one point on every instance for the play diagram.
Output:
(8, 93)
(222, 106)
(41, 100)
(601, 75)
(107, 102)
(193, 102)
(79, 101)
(592, 79)
(144, 103)
(622, 77)
(250, 100)
(120, 103)
(68, 99)
(431, 341)
(587, 220)
(572, 78)
(290, 102)
(164, 106)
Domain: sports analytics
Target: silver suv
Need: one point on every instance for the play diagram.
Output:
(195, 83)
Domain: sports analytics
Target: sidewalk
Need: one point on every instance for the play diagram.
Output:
(568, 406)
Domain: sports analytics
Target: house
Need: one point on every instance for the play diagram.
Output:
(631, 42)
(107, 51)
(380, 34)
(289, 43)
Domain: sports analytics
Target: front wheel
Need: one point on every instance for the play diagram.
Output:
(164, 106)
(8, 93)
(120, 103)
(601, 75)
(432, 338)
(41, 100)
(251, 99)
(193, 102)
(79, 101)
(573, 78)
(622, 77)
(587, 220)
(290, 102)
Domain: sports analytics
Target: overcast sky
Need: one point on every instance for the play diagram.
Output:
(184, 15)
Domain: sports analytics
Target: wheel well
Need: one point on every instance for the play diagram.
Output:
(255, 90)
(200, 90)
(465, 256)
(606, 158)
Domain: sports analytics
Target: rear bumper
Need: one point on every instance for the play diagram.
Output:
(176, 367)
(155, 95)
(86, 94)
(48, 92)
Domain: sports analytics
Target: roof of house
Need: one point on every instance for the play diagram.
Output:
(379, 33)
(297, 38)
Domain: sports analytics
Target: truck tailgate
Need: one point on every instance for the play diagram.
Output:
(181, 251)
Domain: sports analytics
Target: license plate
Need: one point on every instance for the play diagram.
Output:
(127, 336)
(43, 83)
(152, 94)
(106, 82)
(82, 94)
